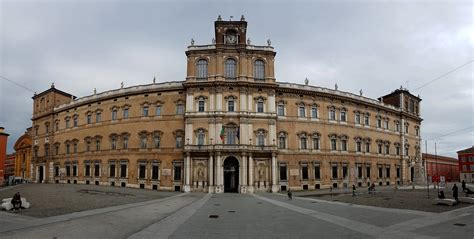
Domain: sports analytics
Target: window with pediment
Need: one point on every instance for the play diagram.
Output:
(259, 70)
(201, 67)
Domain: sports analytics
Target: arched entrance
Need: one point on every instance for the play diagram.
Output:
(231, 175)
(40, 174)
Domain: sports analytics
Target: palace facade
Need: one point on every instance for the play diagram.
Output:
(228, 127)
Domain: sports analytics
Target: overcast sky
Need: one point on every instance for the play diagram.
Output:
(371, 45)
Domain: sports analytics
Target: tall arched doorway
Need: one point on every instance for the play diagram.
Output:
(231, 175)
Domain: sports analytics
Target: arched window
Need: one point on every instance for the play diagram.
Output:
(260, 106)
(202, 69)
(230, 67)
(259, 70)
(316, 141)
(303, 141)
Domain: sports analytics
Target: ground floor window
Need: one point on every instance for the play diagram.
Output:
(142, 170)
(74, 170)
(283, 176)
(123, 169)
(154, 170)
(334, 172)
(387, 173)
(304, 172)
(344, 171)
(177, 173)
(97, 169)
(317, 172)
(112, 169)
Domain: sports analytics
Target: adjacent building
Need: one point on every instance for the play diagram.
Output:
(3, 154)
(230, 126)
(437, 166)
(466, 164)
(23, 154)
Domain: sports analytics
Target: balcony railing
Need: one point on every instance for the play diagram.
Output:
(229, 147)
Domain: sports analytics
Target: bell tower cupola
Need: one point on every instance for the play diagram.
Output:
(230, 32)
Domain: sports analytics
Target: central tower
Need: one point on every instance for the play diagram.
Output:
(230, 112)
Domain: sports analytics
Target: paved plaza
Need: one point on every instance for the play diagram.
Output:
(262, 215)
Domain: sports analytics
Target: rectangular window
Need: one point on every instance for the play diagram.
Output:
(180, 109)
(112, 170)
(57, 126)
(387, 149)
(89, 119)
(56, 149)
(367, 148)
(358, 146)
(397, 150)
(67, 149)
(343, 116)
(156, 141)
(316, 143)
(67, 124)
(379, 123)
(143, 142)
(98, 117)
(359, 171)
(282, 142)
(387, 172)
(145, 111)
(56, 171)
(281, 110)
(367, 173)
(113, 144)
(260, 107)
(231, 107)
(398, 172)
(125, 113)
(406, 129)
(125, 143)
(177, 173)
(114, 114)
(332, 115)
(158, 110)
(75, 148)
(314, 112)
(333, 144)
(123, 170)
(88, 169)
(179, 142)
(142, 169)
(302, 112)
(97, 170)
(154, 172)
(386, 124)
(334, 172)
(357, 118)
(344, 171)
(201, 106)
(97, 145)
(380, 172)
(304, 172)
(379, 147)
(366, 120)
(68, 170)
(74, 170)
(344, 145)
(283, 176)
(74, 121)
(317, 172)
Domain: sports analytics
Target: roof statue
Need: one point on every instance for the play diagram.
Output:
(306, 81)
(213, 41)
(242, 18)
(121, 85)
(269, 42)
(360, 92)
(154, 79)
(248, 41)
(335, 86)
(95, 91)
(192, 42)
(219, 18)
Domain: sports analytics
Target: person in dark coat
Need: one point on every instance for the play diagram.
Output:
(441, 195)
(16, 201)
(463, 185)
(290, 195)
(455, 192)
(353, 190)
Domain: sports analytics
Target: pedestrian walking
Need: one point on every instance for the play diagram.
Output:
(455, 192)
(463, 185)
(290, 195)
(353, 190)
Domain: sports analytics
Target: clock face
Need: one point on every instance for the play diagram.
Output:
(231, 39)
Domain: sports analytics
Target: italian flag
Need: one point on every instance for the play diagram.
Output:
(222, 134)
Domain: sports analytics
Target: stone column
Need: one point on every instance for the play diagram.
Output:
(219, 173)
(250, 188)
(274, 174)
(243, 186)
(211, 174)
(187, 175)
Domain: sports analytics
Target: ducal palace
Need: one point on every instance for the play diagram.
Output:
(230, 126)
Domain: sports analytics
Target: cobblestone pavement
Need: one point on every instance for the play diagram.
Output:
(265, 215)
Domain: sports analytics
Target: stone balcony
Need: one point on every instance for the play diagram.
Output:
(230, 148)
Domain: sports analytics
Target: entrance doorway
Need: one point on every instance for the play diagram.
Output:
(231, 175)
(40, 174)
(412, 173)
